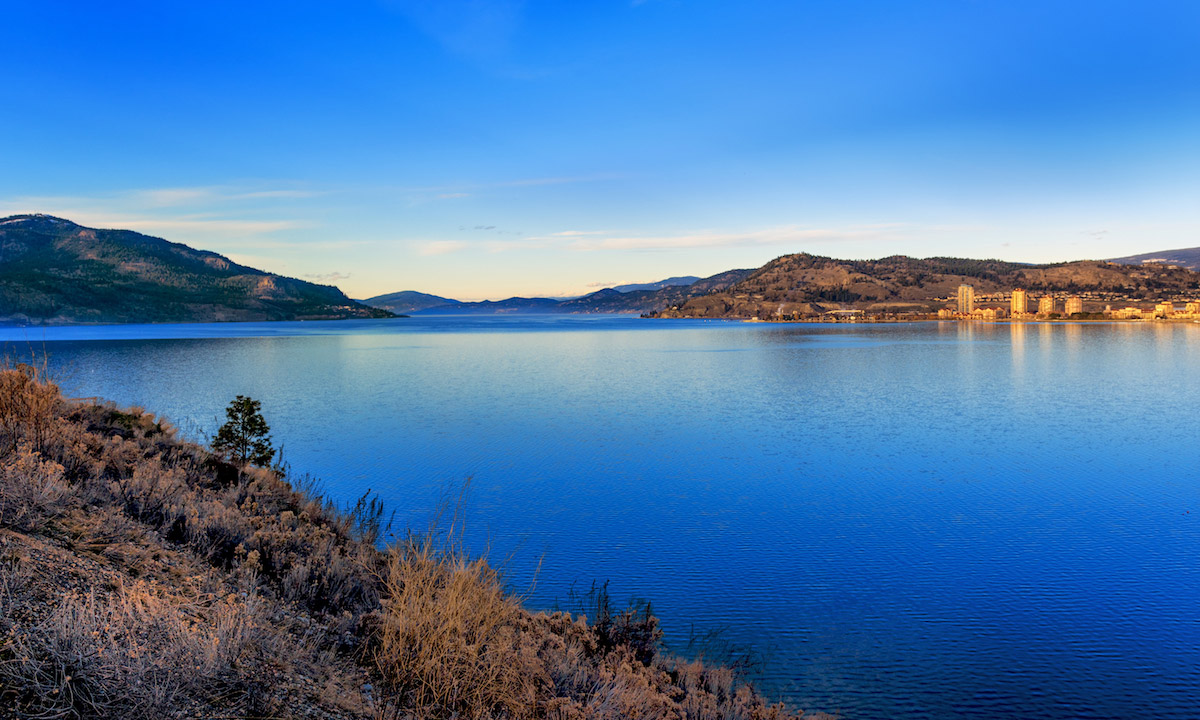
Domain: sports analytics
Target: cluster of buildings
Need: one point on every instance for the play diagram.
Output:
(1020, 308)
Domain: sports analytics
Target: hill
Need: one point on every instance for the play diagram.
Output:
(1185, 257)
(146, 577)
(54, 271)
(609, 300)
(407, 301)
(513, 305)
(804, 284)
(669, 282)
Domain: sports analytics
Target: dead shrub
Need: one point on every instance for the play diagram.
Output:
(32, 489)
(28, 406)
(449, 641)
(133, 655)
(327, 578)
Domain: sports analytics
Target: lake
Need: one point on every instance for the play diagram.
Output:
(929, 520)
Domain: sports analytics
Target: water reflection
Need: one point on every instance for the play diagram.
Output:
(925, 520)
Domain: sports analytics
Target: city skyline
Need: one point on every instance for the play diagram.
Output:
(488, 149)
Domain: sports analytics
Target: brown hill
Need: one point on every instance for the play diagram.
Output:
(809, 284)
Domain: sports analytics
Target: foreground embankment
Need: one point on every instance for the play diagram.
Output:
(142, 576)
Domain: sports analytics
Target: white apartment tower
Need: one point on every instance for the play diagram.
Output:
(966, 299)
(1020, 301)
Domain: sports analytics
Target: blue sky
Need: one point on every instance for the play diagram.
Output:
(486, 149)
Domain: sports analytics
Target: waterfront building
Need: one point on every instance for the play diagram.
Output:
(966, 299)
(1074, 305)
(1192, 308)
(1046, 305)
(1164, 309)
(1020, 301)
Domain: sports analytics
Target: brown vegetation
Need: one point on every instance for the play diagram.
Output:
(141, 576)
(806, 285)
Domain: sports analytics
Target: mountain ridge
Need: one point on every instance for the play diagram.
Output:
(55, 271)
(1184, 257)
(606, 300)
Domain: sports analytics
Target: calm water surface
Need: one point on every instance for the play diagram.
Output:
(907, 521)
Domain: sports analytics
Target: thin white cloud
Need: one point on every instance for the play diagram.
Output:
(328, 278)
(157, 226)
(473, 188)
(453, 195)
(173, 197)
(785, 235)
(202, 214)
(286, 194)
(441, 247)
(473, 28)
(211, 195)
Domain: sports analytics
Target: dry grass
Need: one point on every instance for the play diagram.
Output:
(28, 405)
(450, 637)
(205, 588)
(133, 654)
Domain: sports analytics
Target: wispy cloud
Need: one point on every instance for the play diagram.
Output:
(418, 194)
(211, 195)
(473, 28)
(791, 236)
(441, 247)
(783, 235)
(327, 278)
(218, 213)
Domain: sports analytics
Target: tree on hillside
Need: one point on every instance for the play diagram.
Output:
(245, 437)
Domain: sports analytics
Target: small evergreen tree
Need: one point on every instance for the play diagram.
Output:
(245, 437)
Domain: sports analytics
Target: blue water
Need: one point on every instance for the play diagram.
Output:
(931, 520)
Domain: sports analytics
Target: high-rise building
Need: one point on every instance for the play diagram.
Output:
(1020, 302)
(1074, 305)
(1046, 305)
(966, 299)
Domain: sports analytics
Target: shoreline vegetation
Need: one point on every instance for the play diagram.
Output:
(144, 576)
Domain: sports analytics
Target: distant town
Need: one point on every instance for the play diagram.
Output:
(1019, 305)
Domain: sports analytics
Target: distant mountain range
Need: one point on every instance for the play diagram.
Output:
(640, 298)
(1186, 257)
(810, 285)
(54, 271)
